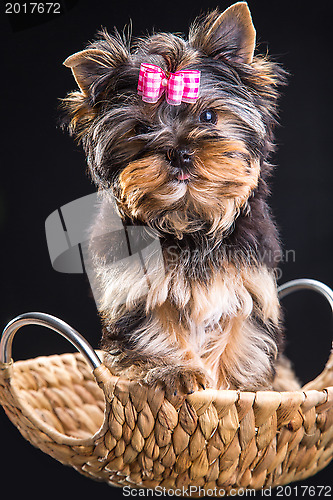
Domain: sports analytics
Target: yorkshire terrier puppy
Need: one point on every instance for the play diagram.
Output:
(180, 131)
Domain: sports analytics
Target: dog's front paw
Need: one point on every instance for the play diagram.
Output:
(177, 382)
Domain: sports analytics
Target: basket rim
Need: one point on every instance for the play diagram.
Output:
(318, 387)
(102, 369)
(107, 381)
(24, 408)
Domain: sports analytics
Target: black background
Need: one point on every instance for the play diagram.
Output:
(42, 169)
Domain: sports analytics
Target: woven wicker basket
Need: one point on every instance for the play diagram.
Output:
(125, 433)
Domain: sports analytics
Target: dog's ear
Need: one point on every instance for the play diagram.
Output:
(230, 35)
(86, 67)
(91, 67)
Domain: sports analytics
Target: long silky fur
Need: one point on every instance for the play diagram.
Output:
(207, 301)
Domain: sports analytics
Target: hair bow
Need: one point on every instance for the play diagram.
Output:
(182, 86)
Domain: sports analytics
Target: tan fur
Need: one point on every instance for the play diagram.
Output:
(202, 326)
(224, 178)
(193, 179)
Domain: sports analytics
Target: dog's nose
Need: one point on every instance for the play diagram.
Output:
(180, 157)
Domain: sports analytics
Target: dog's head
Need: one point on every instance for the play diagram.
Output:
(187, 167)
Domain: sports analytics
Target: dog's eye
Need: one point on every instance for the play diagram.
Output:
(142, 128)
(208, 116)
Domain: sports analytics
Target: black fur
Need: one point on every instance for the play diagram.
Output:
(117, 130)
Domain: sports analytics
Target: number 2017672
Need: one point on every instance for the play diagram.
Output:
(33, 8)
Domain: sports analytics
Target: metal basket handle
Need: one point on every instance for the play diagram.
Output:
(75, 338)
(325, 379)
(56, 324)
(306, 284)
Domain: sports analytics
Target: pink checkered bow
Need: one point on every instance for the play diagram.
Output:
(182, 86)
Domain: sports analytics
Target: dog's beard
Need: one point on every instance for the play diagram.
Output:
(221, 180)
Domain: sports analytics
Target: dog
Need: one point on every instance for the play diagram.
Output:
(178, 134)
